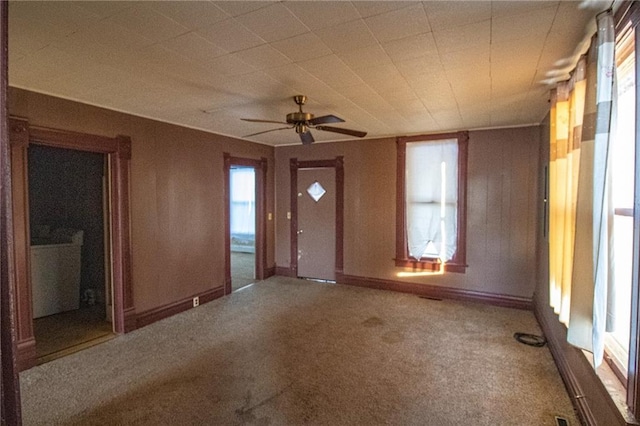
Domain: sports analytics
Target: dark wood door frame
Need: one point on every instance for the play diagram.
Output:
(10, 412)
(295, 165)
(118, 152)
(261, 197)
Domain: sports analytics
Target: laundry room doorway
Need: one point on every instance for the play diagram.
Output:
(69, 227)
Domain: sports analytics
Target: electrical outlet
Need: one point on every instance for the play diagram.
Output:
(196, 301)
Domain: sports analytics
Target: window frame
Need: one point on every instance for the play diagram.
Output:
(627, 17)
(458, 262)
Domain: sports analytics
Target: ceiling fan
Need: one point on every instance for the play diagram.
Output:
(304, 121)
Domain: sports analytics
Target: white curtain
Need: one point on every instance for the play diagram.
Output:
(592, 260)
(432, 198)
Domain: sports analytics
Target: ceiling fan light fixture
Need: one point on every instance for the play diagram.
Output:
(301, 128)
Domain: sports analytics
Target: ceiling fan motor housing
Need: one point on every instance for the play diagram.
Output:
(299, 117)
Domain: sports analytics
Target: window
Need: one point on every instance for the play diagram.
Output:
(622, 195)
(431, 202)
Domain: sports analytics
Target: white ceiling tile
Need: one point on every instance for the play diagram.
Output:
(382, 75)
(273, 23)
(372, 8)
(230, 35)
(475, 57)
(365, 58)
(522, 50)
(399, 23)
(439, 98)
(292, 75)
(414, 68)
(464, 37)
(453, 78)
(448, 119)
(262, 57)
(112, 36)
(194, 47)
(535, 23)
(106, 8)
(332, 71)
(191, 14)
(349, 36)
(505, 8)
(237, 8)
(319, 14)
(302, 47)
(411, 47)
(425, 84)
(148, 23)
(448, 14)
(68, 17)
(25, 38)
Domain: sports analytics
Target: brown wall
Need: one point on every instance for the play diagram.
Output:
(177, 226)
(501, 215)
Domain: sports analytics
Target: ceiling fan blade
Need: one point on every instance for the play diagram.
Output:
(306, 138)
(350, 132)
(267, 131)
(326, 119)
(256, 120)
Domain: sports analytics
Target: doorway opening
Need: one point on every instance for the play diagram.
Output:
(245, 221)
(242, 218)
(69, 253)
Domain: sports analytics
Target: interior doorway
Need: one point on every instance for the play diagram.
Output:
(242, 218)
(244, 197)
(69, 263)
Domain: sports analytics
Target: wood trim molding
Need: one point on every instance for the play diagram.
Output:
(118, 152)
(165, 311)
(270, 272)
(73, 140)
(294, 166)
(437, 292)
(283, 271)
(260, 167)
(26, 354)
(10, 411)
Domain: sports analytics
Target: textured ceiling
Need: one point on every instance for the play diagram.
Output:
(386, 67)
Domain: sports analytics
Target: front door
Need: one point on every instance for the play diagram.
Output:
(317, 223)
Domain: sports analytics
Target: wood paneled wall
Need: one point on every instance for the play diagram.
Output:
(177, 226)
(501, 215)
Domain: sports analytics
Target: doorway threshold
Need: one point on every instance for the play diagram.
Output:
(318, 280)
(73, 349)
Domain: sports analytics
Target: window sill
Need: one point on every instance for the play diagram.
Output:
(614, 387)
(431, 265)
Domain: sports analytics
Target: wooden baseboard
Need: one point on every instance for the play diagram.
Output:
(437, 292)
(590, 398)
(26, 354)
(270, 272)
(130, 320)
(284, 272)
(165, 311)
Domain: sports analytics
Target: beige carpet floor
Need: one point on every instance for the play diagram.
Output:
(242, 269)
(290, 352)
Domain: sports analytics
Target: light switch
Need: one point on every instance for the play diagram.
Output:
(289, 215)
(270, 216)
